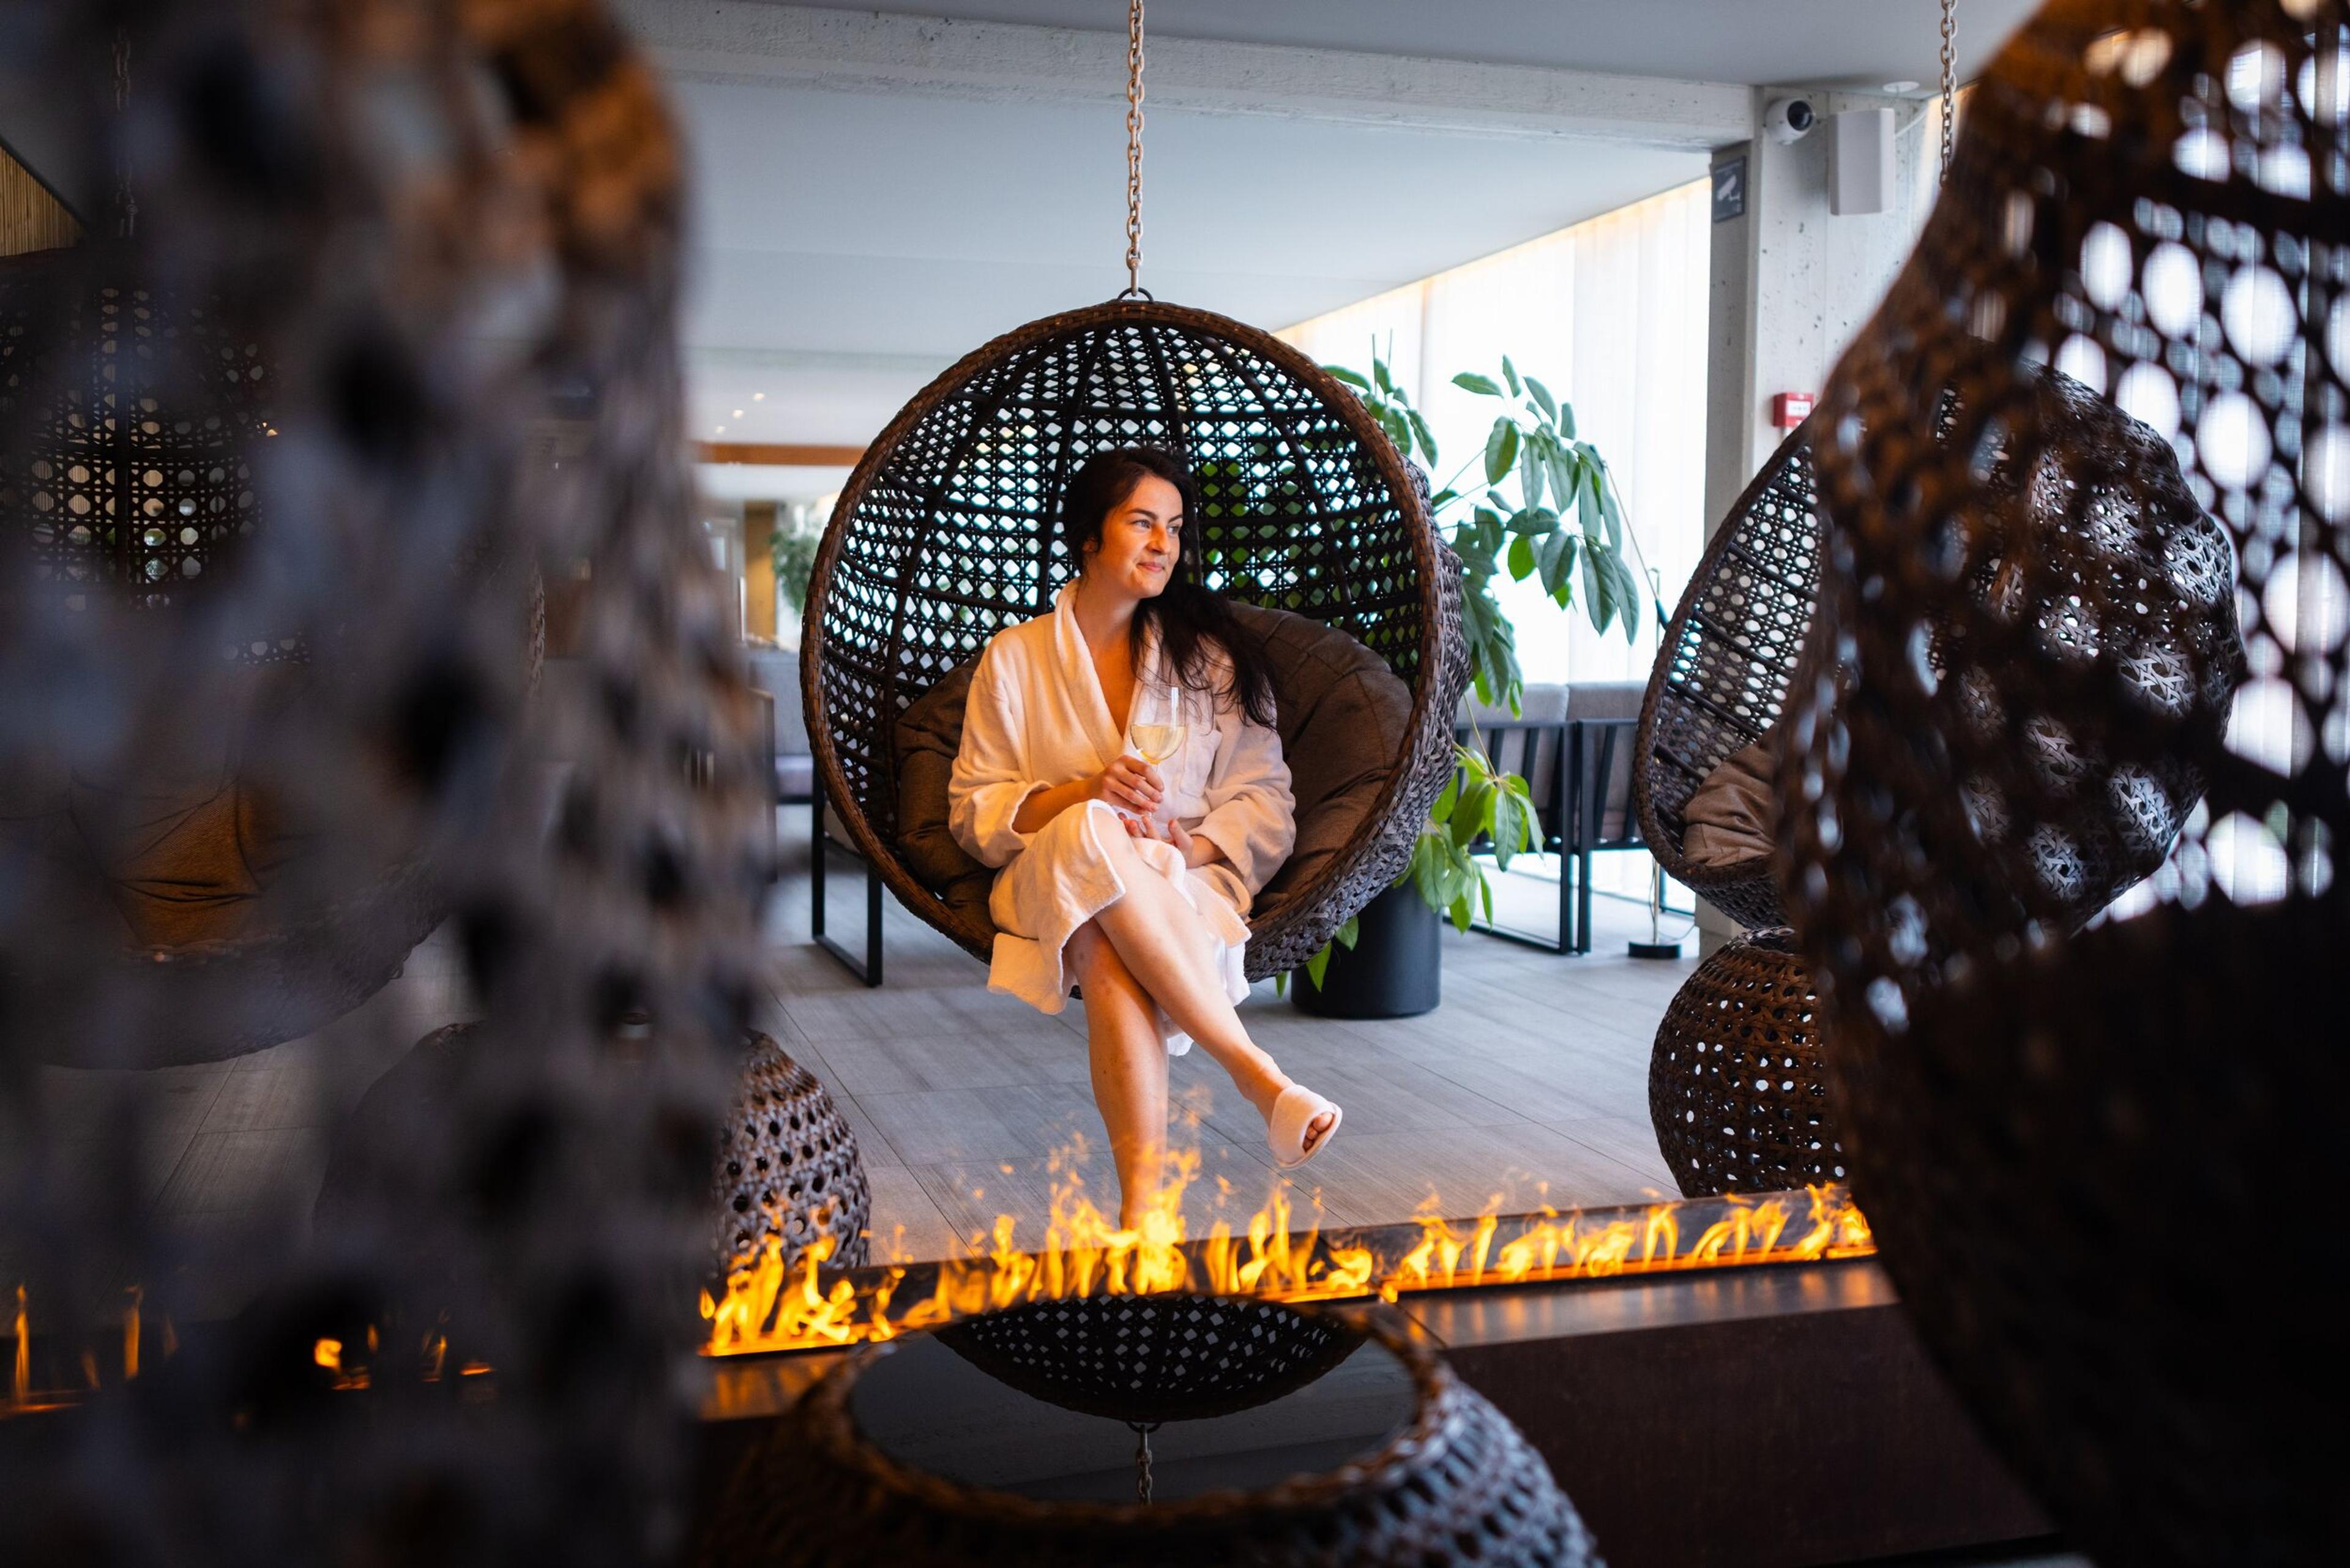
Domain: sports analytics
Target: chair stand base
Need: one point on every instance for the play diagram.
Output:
(1655, 950)
(866, 968)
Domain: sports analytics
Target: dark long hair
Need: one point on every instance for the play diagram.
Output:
(1192, 618)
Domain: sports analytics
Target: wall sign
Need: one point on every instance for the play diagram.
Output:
(1730, 188)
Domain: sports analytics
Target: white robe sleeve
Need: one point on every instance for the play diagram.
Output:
(1250, 814)
(989, 783)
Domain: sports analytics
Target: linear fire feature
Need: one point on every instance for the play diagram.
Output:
(769, 1308)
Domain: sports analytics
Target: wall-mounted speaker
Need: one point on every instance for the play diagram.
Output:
(1860, 162)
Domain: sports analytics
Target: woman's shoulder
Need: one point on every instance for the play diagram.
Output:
(1022, 640)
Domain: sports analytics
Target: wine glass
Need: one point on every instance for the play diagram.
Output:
(1155, 729)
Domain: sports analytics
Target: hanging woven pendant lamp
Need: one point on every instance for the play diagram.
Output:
(1314, 524)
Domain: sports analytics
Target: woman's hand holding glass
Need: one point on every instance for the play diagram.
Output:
(1129, 783)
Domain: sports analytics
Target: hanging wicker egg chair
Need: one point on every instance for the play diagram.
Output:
(2039, 1108)
(130, 420)
(1722, 671)
(945, 535)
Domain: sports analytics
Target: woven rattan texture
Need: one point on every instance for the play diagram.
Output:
(788, 1166)
(1458, 1484)
(945, 535)
(442, 225)
(2036, 625)
(1736, 1088)
(1723, 668)
(118, 493)
(1154, 1358)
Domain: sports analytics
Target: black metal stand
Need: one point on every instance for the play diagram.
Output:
(820, 843)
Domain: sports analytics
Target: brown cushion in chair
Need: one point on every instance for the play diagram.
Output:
(928, 735)
(1343, 716)
(1733, 816)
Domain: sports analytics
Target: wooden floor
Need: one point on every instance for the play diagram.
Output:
(1528, 1086)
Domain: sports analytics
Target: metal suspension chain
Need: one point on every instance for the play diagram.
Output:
(126, 216)
(1950, 80)
(1143, 1481)
(1133, 148)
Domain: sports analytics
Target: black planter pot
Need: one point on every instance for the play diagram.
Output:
(1395, 970)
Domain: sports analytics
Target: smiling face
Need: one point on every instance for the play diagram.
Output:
(1140, 541)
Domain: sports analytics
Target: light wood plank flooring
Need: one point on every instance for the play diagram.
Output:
(1528, 1086)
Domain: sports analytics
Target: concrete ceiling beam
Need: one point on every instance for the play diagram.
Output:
(740, 42)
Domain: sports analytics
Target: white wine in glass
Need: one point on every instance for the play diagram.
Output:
(1154, 743)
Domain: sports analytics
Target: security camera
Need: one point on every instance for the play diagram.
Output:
(1789, 119)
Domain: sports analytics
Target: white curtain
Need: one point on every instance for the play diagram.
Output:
(1610, 315)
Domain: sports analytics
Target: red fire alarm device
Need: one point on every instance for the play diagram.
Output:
(1789, 410)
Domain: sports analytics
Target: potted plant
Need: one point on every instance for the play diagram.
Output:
(1548, 508)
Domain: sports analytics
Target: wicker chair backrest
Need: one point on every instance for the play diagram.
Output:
(945, 535)
(1723, 668)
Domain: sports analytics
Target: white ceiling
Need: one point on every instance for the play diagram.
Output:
(1758, 42)
(850, 243)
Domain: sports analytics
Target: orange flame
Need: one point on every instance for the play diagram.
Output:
(20, 1387)
(769, 1305)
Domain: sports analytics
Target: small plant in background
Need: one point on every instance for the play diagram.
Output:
(794, 545)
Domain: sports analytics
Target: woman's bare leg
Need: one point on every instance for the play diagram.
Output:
(1129, 1069)
(1157, 934)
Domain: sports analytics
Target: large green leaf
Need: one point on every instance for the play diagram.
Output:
(1470, 381)
(1350, 931)
(1426, 440)
(1566, 470)
(1533, 520)
(1566, 421)
(1510, 374)
(1611, 508)
(1555, 556)
(1531, 467)
(1501, 451)
(1318, 966)
(1522, 559)
(1586, 507)
(1543, 399)
(1509, 828)
(1352, 378)
(1629, 588)
(1380, 374)
(1475, 814)
(1443, 810)
(1428, 865)
(1399, 429)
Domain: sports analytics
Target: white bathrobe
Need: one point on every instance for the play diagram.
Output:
(1037, 718)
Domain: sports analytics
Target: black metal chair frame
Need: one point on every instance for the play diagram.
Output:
(821, 844)
(1574, 820)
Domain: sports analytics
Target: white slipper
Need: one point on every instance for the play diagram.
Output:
(1292, 1112)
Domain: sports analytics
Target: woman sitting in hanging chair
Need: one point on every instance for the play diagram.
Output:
(1119, 763)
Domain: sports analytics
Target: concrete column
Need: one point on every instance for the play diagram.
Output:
(1791, 284)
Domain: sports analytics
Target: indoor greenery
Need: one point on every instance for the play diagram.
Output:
(794, 543)
(1546, 507)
